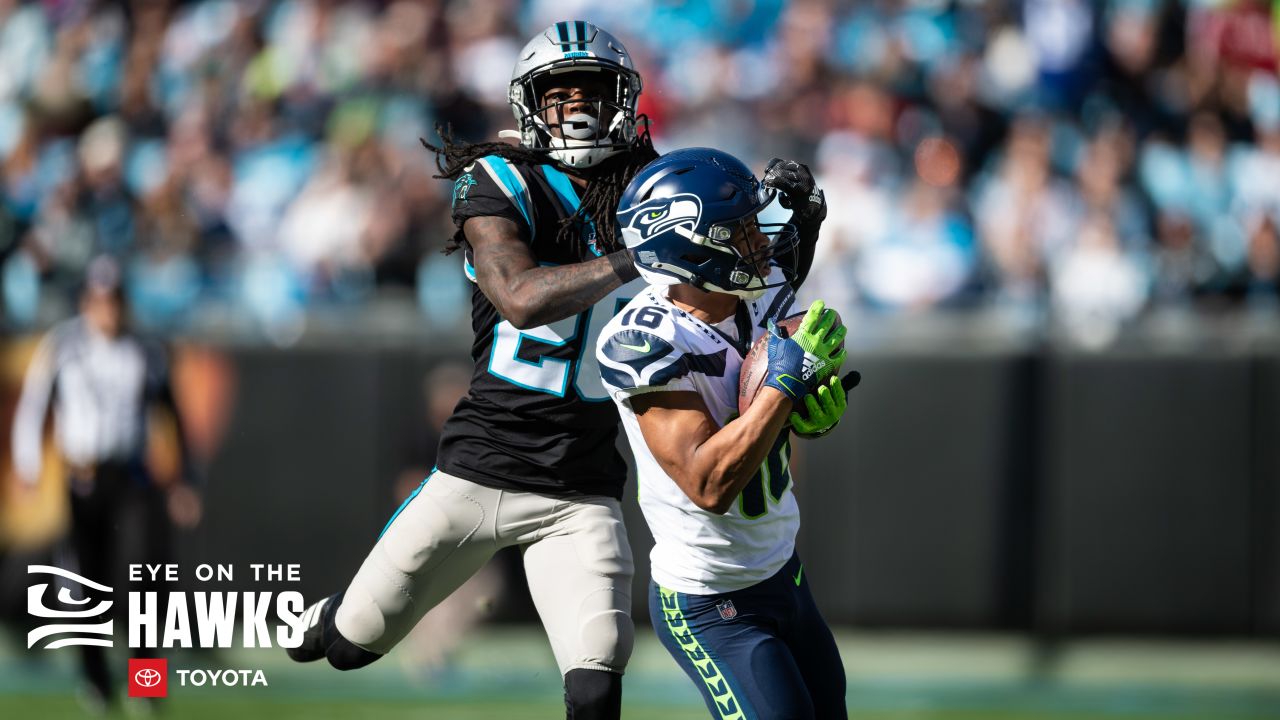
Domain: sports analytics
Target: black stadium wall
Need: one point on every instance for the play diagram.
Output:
(1041, 491)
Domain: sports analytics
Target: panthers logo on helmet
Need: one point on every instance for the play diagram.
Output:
(680, 213)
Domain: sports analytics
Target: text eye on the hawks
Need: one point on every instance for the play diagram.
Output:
(653, 215)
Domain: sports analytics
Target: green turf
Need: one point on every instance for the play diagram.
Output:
(246, 709)
(508, 672)
(55, 708)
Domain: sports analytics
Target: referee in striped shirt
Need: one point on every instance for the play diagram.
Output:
(98, 380)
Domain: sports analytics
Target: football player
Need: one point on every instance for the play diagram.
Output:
(729, 598)
(528, 457)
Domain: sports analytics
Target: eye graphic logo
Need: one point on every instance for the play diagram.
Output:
(80, 633)
(680, 212)
(148, 677)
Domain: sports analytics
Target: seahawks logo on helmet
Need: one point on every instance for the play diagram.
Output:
(680, 213)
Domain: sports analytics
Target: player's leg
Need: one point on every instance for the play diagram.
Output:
(729, 646)
(91, 538)
(579, 569)
(815, 650)
(439, 537)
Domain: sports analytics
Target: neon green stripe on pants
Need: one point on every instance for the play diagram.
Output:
(726, 702)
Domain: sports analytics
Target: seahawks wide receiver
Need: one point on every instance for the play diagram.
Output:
(528, 457)
(729, 599)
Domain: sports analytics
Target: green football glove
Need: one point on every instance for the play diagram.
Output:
(819, 335)
(801, 363)
(825, 407)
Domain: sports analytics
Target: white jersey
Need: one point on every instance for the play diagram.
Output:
(100, 387)
(653, 346)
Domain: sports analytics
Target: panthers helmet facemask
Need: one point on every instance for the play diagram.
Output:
(577, 133)
(681, 213)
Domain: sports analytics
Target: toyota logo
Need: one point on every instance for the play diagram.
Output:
(147, 677)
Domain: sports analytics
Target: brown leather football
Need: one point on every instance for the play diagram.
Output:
(754, 365)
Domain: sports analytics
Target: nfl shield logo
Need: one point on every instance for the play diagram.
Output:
(727, 610)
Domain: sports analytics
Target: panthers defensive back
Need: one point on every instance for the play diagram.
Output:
(729, 599)
(528, 457)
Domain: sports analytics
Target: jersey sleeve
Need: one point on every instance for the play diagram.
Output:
(642, 351)
(493, 187)
(28, 420)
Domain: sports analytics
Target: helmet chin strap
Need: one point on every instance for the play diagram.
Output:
(747, 294)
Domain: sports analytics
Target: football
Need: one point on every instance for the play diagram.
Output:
(754, 365)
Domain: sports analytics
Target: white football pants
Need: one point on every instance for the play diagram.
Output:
(576, 558)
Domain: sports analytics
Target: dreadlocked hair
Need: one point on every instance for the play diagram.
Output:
(605, 182)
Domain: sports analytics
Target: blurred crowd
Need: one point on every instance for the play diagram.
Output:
(1081, 160)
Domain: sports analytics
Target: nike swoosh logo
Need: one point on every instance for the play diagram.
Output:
(638, 348)
(799, 575)
(782, 380)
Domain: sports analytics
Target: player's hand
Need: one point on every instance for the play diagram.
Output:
(185, 508)
(28, 490)
(801, 363)
(823, 409)
(799, 191)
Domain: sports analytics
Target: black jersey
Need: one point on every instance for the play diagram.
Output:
(537, 418)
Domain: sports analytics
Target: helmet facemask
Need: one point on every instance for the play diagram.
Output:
(749, 276)
(582, 130)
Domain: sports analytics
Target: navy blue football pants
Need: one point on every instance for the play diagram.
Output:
(760, 652)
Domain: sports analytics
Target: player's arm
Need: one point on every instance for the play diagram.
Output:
(799, 193)
(185, 506)
(528, 295)
(711, 464)
(33, 409)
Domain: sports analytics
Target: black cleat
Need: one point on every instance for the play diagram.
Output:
(313, 645)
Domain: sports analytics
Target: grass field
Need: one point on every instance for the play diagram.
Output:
(214, 709)
(508, 673)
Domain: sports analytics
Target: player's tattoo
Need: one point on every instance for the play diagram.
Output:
(525, 293)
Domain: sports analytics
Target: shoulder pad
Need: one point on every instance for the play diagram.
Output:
(632, 358)
(508, 179)
(635, 348)
(492, 186)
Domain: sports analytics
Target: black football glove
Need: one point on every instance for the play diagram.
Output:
(800, 194)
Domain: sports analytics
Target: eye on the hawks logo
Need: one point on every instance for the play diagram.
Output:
(81, 633)
(148, 677)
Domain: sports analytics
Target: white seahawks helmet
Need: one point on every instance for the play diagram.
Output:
(568, 54)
